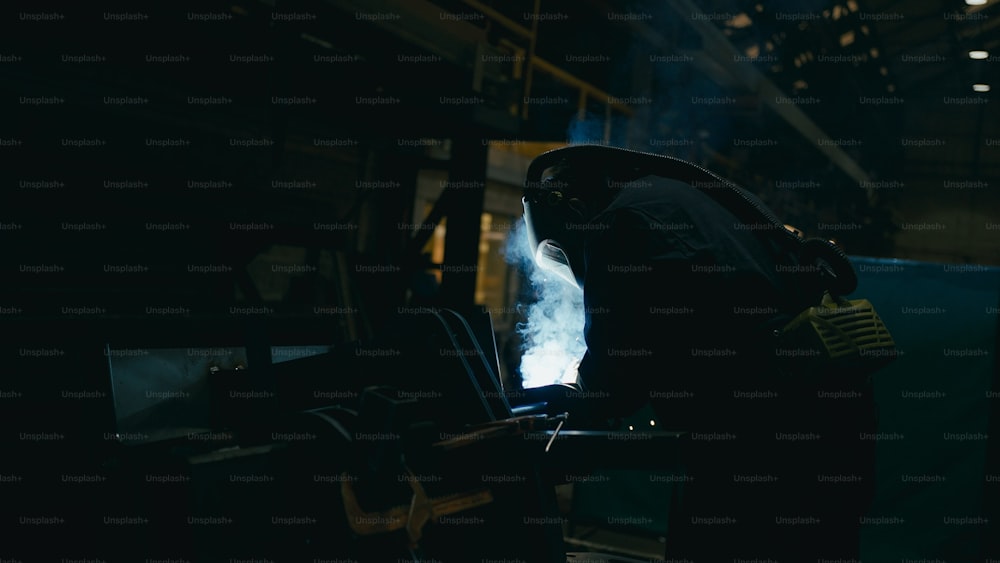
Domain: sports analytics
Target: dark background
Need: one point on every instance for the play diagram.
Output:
(137, 212)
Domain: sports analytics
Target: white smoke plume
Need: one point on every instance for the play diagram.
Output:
(552, 334)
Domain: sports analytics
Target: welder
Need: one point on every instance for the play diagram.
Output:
(696, 298)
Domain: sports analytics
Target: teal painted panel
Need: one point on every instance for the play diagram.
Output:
(934, 404)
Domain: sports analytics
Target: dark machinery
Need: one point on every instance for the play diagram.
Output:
(406, 448)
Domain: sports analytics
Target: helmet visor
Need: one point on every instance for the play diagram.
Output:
(549, 255)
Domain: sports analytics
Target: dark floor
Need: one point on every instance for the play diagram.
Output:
(593, 538)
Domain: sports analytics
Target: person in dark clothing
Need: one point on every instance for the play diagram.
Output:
(688, 282)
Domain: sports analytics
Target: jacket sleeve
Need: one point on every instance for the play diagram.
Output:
(641, 300)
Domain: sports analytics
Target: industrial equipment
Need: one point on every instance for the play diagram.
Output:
(404, 448)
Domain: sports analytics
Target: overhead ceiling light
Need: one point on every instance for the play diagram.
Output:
(978, 55)
(981, 87)
(976, 2)
(740, 21)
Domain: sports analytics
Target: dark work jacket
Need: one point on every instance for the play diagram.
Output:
(681, 302)
(681, 298)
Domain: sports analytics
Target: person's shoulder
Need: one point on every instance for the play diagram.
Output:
(651, 202)
(624, 218)
(658, 196)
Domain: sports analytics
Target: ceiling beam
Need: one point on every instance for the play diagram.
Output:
(725, 55)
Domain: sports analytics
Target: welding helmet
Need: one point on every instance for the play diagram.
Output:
(564, 190)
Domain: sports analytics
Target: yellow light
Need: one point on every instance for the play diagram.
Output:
(978, 55)
(981, 87)
(846, 39)
(740, 21)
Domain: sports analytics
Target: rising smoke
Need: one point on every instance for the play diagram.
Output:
(552, 332)
(552, 340)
